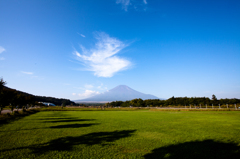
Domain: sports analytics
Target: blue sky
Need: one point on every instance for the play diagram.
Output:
(76, 49)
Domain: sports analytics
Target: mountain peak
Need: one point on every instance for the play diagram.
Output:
(119, 93)
(122, 87)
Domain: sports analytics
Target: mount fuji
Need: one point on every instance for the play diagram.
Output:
(119, 93)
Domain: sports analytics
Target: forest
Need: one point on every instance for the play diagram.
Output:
(14, 97)
(175, 101)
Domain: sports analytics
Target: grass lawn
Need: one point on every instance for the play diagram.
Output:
(123, 134)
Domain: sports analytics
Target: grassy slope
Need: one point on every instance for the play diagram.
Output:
(122, 134)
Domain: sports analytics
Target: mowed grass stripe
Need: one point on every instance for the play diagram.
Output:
(120, 134)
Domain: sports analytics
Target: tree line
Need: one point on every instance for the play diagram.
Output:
(15, 98)
(174, 101)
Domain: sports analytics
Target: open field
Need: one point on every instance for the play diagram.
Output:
(123, 134)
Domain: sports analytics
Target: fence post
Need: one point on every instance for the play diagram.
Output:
(206, 106)
(219, 106)
(212, 106)
(235, 106)
(200, 106)
(190, 106)
(227, 105)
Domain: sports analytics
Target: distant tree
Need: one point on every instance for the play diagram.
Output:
(30, 100)
(148, 102)
(107, 104)
(119, 103)
(2, 83)
(125, 104)
(214, 99)
(11, 98)
(63, 104)
(134, 102)
(113, 104)
(140, 103)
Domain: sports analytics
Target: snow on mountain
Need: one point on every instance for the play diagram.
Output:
(119, 93)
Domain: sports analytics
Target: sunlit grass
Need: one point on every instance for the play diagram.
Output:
(122, 134)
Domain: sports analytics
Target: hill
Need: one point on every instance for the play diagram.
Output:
(53, 100)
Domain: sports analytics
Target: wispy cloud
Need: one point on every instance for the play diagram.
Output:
(102, 87)
(99, 87)
(135, 4)
(125, 3)
(32, 75)
(82, 35)
(102, 59)
(87, 93)
(28, 73)
(2, 49)
(88, 86)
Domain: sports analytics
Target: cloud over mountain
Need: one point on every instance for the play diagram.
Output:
(87, 93)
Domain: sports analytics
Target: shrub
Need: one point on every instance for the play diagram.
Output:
(15, 112)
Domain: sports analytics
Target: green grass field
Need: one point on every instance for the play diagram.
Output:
(123, 134)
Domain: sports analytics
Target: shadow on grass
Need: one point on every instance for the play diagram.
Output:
(57, 118)
(197, 150)
(58, 127)
(68, 120)
(67, 143)
(72, 126)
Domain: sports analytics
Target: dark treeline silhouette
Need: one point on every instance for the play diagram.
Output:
(15, 98)
(175, 101)
(53, 100)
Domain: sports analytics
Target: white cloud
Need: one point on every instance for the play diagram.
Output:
(135, 4)
(99, 87)
(125, 3)
(28, 73)
(32, 75)
(101, 59)
(88, 93)
(73, 94)
(2, 49)
(82, 35)
(88, 86)
(2, 58)
(102, 87)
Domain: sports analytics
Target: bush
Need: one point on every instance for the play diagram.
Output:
(15, 112)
